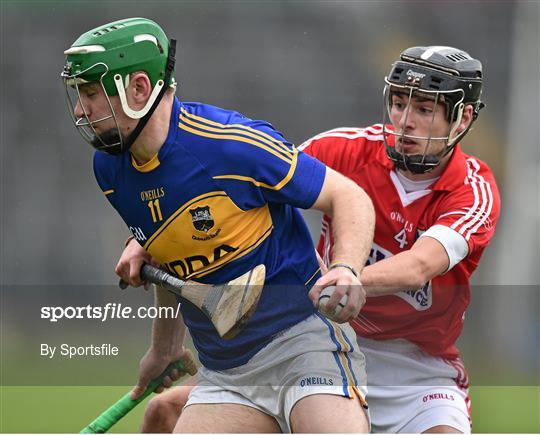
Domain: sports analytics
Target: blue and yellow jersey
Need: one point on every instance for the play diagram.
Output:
(218, 199)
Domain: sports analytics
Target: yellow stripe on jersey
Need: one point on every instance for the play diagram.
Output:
(230, 233)
(207, 133)
(108, 192)
(150, 165)
(312, 276)
(249, 131)
(258, 139)
(260, 183)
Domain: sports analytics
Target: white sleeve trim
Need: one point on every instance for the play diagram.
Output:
(455, 244)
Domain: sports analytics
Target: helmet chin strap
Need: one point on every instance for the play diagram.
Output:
(415, 163)
(126, 144)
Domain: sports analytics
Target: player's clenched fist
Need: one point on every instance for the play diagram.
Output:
(152, 365)
(346, 284)
(131, 261)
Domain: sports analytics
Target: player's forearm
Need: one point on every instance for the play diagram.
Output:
(353, 222)
(167, 333)
(408, 270)
(403, 271)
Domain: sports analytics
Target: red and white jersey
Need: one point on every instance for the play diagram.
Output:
(460, 210)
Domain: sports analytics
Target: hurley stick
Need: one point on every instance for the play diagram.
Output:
(112, 415)
(228, 306)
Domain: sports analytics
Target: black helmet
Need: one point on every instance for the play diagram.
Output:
(448, 75)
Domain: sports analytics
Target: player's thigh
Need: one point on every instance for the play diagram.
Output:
(442, 429)
(327, 413)
(225, 418)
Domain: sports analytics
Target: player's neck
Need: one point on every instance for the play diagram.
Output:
(154, 134)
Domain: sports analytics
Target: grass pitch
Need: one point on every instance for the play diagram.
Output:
(69, 409)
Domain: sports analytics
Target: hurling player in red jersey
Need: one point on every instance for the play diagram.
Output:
(436, 211)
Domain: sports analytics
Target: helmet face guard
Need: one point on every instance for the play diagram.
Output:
(427, 160)
(110, 141)
(107, 56)
(440, 74)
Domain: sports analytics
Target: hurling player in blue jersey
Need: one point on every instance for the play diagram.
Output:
(208, 194)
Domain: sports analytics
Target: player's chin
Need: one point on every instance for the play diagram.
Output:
(109, 137)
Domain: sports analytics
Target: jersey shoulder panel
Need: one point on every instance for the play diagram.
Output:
(213, 113)
(340, 147)
(231, 137)
(236, 150)
(473, 208)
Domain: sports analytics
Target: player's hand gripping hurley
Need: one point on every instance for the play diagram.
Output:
(228, 306)
(112, 415)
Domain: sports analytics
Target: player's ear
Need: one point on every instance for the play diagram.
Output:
(139, 89)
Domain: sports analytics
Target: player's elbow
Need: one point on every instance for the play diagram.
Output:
(420, 272)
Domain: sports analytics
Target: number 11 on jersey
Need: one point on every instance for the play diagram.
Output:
(155, 209)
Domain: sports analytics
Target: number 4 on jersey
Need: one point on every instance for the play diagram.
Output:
(401, 238)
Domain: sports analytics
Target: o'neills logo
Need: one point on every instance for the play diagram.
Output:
(202, 219)
(438, 396)
(316, 380)
(415, 74)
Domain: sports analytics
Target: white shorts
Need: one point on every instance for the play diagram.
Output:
(315, 356)
(411, 391)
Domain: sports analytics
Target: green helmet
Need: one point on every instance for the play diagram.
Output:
(121, 47)
(108, 55)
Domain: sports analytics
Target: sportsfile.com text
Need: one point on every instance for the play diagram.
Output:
(109, 311)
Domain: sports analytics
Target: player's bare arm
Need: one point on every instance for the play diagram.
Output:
(354, 220)
(408, 270)
(167, 346)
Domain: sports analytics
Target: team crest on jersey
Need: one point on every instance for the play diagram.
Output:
(202, 219)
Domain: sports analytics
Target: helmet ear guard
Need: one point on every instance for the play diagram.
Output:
(169, 68)
(136, 114)
(448, 75)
